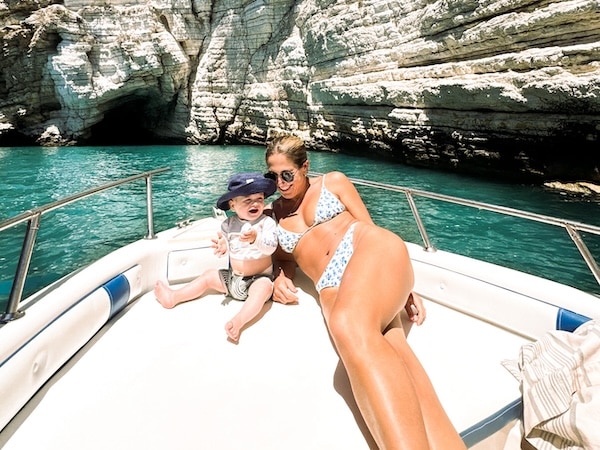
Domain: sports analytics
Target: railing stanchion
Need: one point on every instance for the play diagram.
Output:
(420, 225)
(585, 252)
(149, 213)
(16, 290)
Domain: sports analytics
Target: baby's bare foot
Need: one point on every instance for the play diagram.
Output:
(233, 330)
(164, 295)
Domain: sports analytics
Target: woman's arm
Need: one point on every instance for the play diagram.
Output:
(284, 265)
(284, 270)
(340, 185)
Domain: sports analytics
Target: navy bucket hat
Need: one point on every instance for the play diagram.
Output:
(243, 184)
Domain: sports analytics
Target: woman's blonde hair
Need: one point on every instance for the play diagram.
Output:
(290, 146)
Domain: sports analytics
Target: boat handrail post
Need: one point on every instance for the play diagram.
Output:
(584, 250)
(16, 290)
(149, 212)
(415, 212)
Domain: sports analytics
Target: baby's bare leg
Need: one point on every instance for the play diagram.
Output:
(171, 297)
(258, 294)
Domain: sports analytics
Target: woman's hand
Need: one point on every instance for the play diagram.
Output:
(284, 290)
(415, 308)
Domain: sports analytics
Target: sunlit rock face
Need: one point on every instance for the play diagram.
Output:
(65, 68)
(508, 88)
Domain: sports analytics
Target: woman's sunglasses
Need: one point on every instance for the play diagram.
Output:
(286, 175)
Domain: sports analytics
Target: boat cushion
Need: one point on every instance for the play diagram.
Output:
(568, 320)
(118, 292)
(490, 425)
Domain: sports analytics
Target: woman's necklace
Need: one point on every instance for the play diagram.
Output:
(298, 202)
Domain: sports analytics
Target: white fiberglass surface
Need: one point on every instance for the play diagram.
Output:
(463, 357)
(161, 378)
(158, 378)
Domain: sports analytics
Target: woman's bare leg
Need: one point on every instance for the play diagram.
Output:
(260, 291)
(171, 297)
(440, 431)
(385, 376)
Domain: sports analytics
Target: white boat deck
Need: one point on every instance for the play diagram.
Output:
(145, 377)
(284, 372)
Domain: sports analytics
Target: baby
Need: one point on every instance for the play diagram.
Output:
(250, 238)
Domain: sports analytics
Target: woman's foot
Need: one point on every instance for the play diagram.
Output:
(164, 295)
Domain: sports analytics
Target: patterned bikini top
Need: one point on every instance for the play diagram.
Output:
(328, 207)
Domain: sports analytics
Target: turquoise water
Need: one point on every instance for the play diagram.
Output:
(83, 231)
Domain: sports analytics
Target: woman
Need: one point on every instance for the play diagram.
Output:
(364, 277)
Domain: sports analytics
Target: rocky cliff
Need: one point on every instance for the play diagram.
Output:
(505, 87)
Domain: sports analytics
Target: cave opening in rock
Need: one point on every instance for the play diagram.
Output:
(13, 138)
(131, 122)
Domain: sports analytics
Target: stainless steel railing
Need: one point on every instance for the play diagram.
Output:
(33, 218)
(572, 228)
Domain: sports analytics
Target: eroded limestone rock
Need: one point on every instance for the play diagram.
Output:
(509, 87)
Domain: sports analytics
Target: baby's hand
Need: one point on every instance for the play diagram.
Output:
(220, 244)
(248, 234)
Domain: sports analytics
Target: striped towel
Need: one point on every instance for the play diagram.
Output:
(560, 382)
